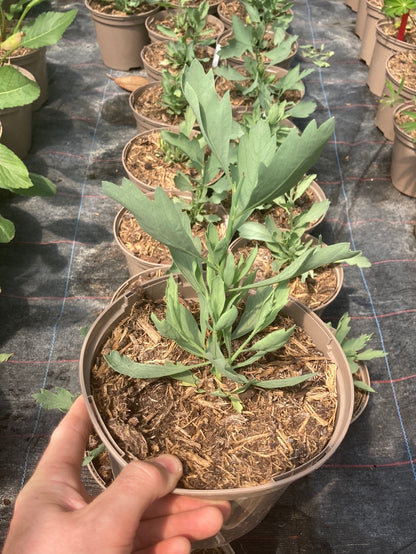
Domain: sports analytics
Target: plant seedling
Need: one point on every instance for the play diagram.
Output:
(399, 9)
(355, 349)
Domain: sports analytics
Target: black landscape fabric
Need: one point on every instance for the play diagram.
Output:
(63, 266)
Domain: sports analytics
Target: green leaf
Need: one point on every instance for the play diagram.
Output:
(363, 386)
(42, 186)
(4, 357)
(161, 218)
(282, 383)
(125, 366)
(15, 88)
(47, 29)
(273, 341)
(13, 172)
(7, 230)
(93, 454)
(61, 399)
(227, 319)
(370, 354)
(214, 116)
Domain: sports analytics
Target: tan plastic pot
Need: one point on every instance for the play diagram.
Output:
(384, 115)
(373, 14)
(363, 375)
(145, 186)
(353, 4)
(35, 62)
(249, 505)
(154, 20)
(17, 125)
(135, 265)
(144, 123)
(155, 75)
(384, 47)
(403, 160)
(361, 18)
(120, 37)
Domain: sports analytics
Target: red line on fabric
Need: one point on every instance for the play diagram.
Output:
(56, 297)
(40, 362)
(61, 241)
(388, 381)
(368, 466)
(348, 106)
(370, 220)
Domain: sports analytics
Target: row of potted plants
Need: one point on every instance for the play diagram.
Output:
(388, 33)
(23, 88)
(208, 355)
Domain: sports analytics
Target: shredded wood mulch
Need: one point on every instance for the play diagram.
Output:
(277, 431)
(404, 64)
(233, 7)
(155, 56)
(146, 162)
(149, 104)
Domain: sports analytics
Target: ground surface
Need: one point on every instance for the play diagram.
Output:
(63, 267)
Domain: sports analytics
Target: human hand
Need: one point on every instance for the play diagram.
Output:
(136, 514)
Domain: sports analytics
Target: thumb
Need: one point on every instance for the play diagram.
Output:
(137, 486)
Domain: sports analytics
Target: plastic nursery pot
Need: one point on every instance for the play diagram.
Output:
(249, 505)
(373, 14)
(384, 115)
(384, 47)
(17, 125)
(361, 18)
(154, 20)
(120, 37)
(403, 159)
(136, 281)
(353, 4)
(239, 62)
(144, 123)
(154, 74)
(361, 397)
(34, 61)
(135, 264)
(146, 186)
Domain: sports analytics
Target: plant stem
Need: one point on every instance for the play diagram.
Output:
(402, 28)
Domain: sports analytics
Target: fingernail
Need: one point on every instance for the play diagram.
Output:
(171, 463)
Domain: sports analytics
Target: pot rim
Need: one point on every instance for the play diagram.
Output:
(120, 17)
(397, 130)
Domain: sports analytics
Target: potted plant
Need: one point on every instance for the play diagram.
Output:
(357, 355)
(188, 41)
(282, 247)
(368, 39)
(185, 20)
(120, 30)
(178, 162)
(404, 149)
(224, 327)
(400, 87)
(389, 40)
(23, 41)
(18, 92)
(273, 13)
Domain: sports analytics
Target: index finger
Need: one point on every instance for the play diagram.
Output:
(65, 451)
